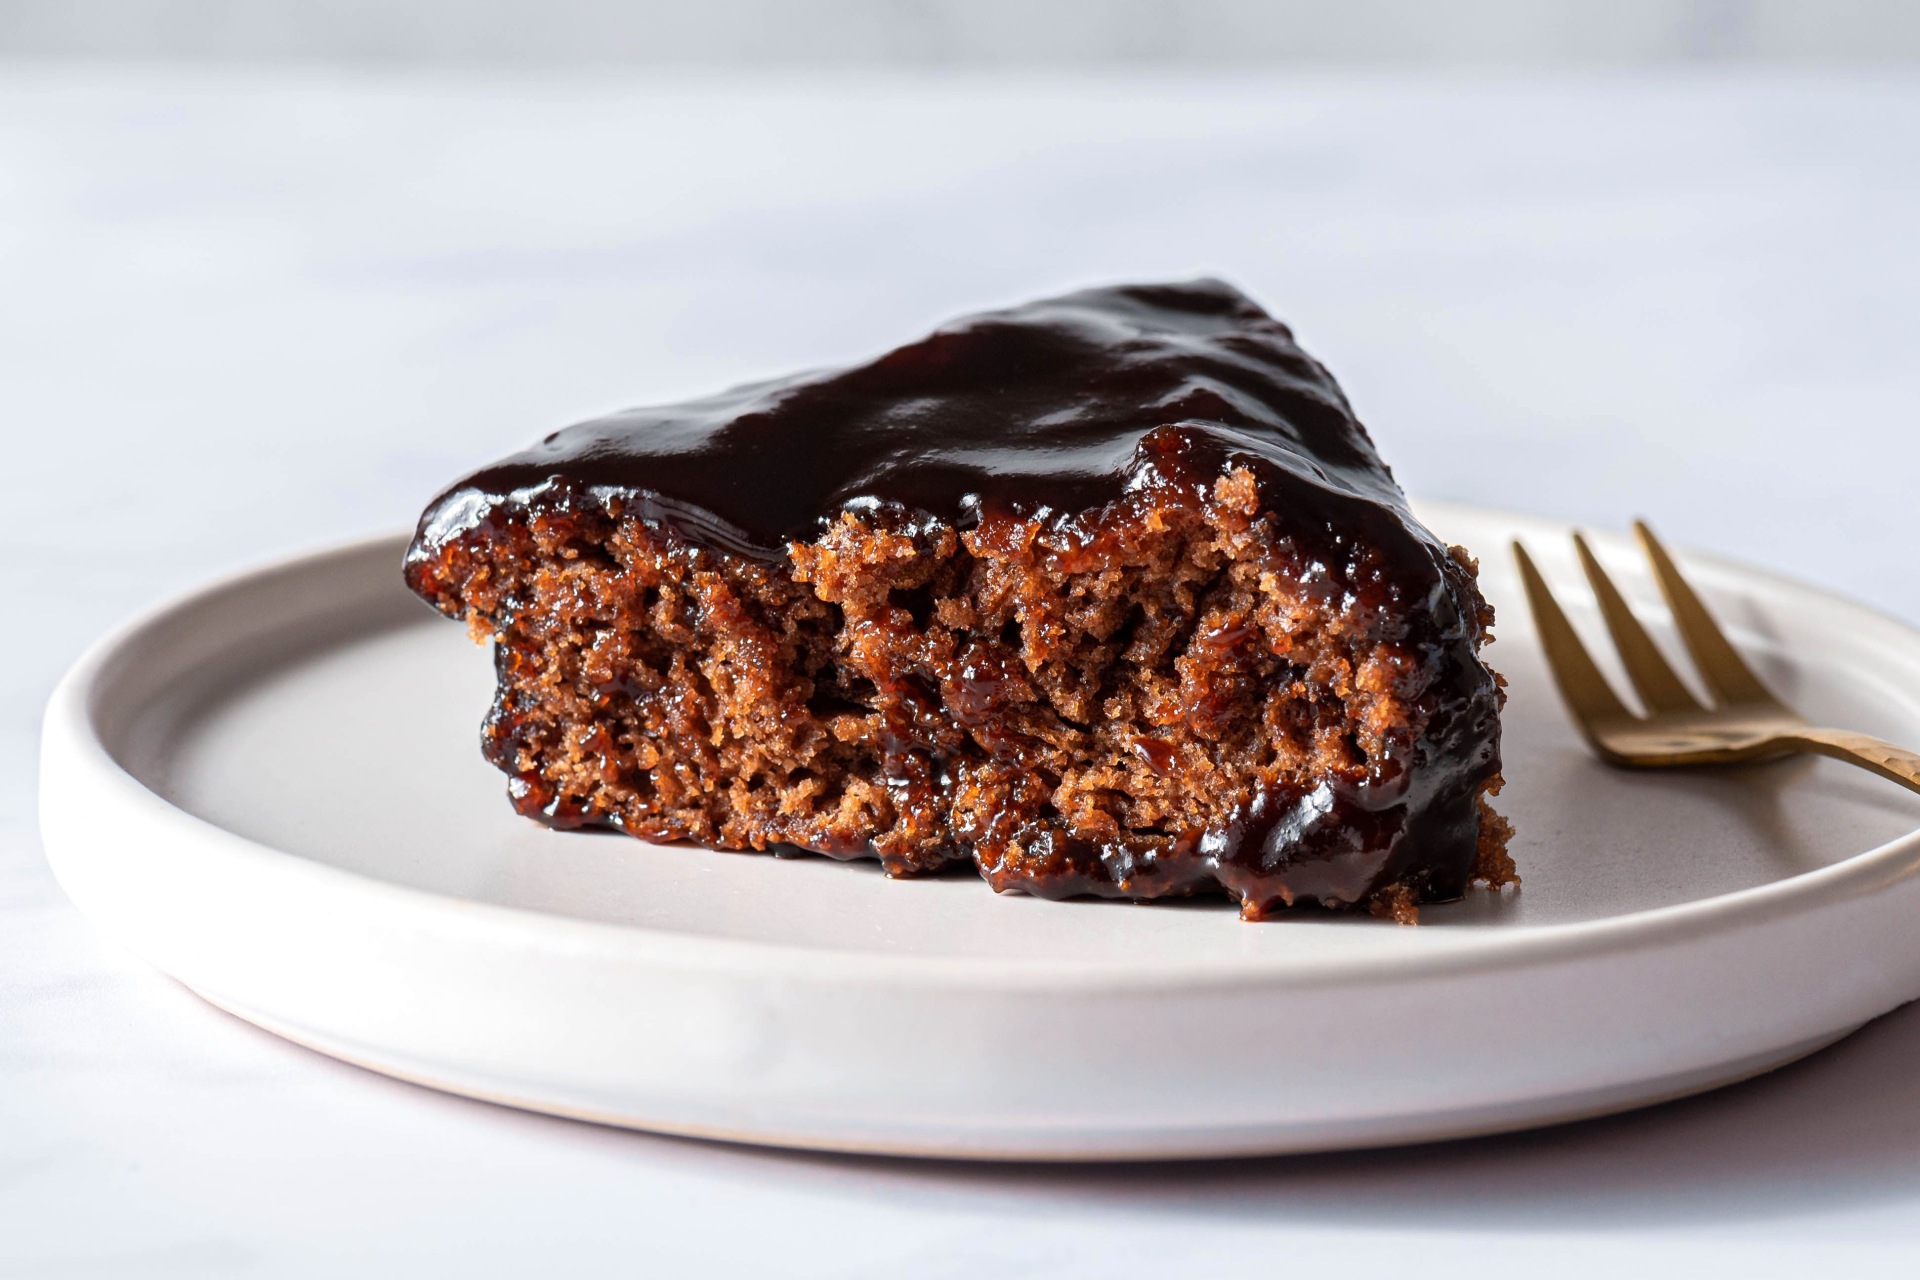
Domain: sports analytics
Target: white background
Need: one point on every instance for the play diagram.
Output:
(806, 33)
(253, 311)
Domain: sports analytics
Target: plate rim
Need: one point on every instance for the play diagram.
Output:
(73, 738)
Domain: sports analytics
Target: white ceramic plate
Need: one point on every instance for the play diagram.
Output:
(273, 791)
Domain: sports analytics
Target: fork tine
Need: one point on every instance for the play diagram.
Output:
(1659, 688)
(1586, 691)
(1720, 664)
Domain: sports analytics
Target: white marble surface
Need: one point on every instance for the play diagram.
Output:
(247, 314)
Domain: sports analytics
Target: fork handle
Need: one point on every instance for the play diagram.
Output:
(1896, 764)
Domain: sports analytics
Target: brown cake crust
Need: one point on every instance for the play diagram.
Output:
(1184, 689)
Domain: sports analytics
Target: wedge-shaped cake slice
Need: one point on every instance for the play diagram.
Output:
(1107, 594)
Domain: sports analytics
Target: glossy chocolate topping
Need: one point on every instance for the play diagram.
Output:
(1048, 405)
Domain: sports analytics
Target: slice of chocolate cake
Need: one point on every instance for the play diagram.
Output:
(1107, 594)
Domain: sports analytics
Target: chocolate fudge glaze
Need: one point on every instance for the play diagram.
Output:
(1062, 410)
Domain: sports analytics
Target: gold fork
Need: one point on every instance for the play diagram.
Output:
(1746, 722)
